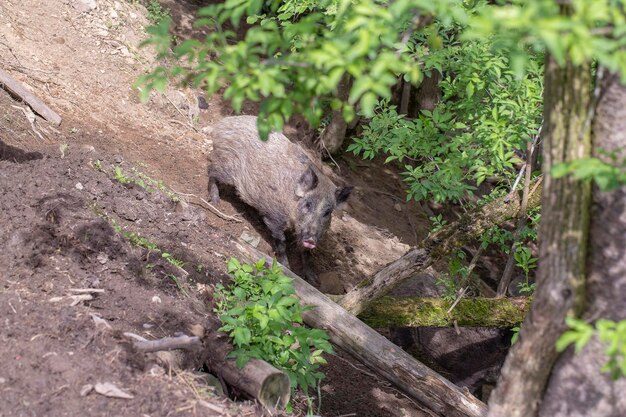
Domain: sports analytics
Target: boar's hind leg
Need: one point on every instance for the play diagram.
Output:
(277, 228)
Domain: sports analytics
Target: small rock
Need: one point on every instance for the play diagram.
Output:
(251, 239)
(197, 330)
(147, 325)
(100, 322)
(202, 103)
(397, 207)
(2, 380)
(102, 258)
(79, 186)
(113, 14)
(109, 390)
(156, 299)
(85, 5)
(86, 389)
(133, 15)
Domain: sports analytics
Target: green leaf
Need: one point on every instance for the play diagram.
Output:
(469, 89)
(242, 336)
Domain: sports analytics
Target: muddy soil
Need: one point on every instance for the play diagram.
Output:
(62, 217)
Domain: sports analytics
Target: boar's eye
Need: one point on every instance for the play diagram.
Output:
(308, 206)
(327, 212)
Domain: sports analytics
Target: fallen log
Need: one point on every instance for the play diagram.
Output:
(450, 238)
(16, 89)
(258, 379)
(433, 312)
(372, 349)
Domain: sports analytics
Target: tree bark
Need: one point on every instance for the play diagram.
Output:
(563, 243)
(388, 360)
(576, 386)
(427, 95)
(334, 133)
(450, 238)
(433, 312)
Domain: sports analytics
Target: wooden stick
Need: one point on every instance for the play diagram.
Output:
(16, 89)
(503, 285)
(167, 343)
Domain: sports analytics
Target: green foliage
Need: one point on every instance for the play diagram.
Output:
(589, 30)
(120, 176)
(262, 314)
(171, 259)
(139, 179)
(608, 176)
(498, 236)
(136, 239)
(609, 332)
(451, 282)
(524, 259)
(486, 114)
(156, 12)
(294, 56)
(515, 336)
(438, 223)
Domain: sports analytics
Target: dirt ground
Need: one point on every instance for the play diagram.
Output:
(60, 206)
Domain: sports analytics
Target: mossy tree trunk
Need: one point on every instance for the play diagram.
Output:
(578, 376)
(563, 243)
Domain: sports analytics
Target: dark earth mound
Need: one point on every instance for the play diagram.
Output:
(68, 224)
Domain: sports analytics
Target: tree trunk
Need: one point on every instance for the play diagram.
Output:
(576, 386)
(335, 132)
(346, 331)
(448, 239)
(433, 312)
(563, 243)
(427, 95)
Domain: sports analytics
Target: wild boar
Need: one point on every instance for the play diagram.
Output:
(277, 178)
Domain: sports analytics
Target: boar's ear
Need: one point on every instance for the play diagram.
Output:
(307, 182)
(342, 194)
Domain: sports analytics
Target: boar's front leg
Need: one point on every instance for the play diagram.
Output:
(214, 178)
(307, 266)
(277, 228)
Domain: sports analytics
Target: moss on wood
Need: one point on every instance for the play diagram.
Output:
(433, 312)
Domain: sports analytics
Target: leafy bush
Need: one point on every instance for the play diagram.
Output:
(612, 334)
(485, 117)
(261, 313)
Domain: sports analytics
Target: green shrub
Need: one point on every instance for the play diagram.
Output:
(263, 316)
